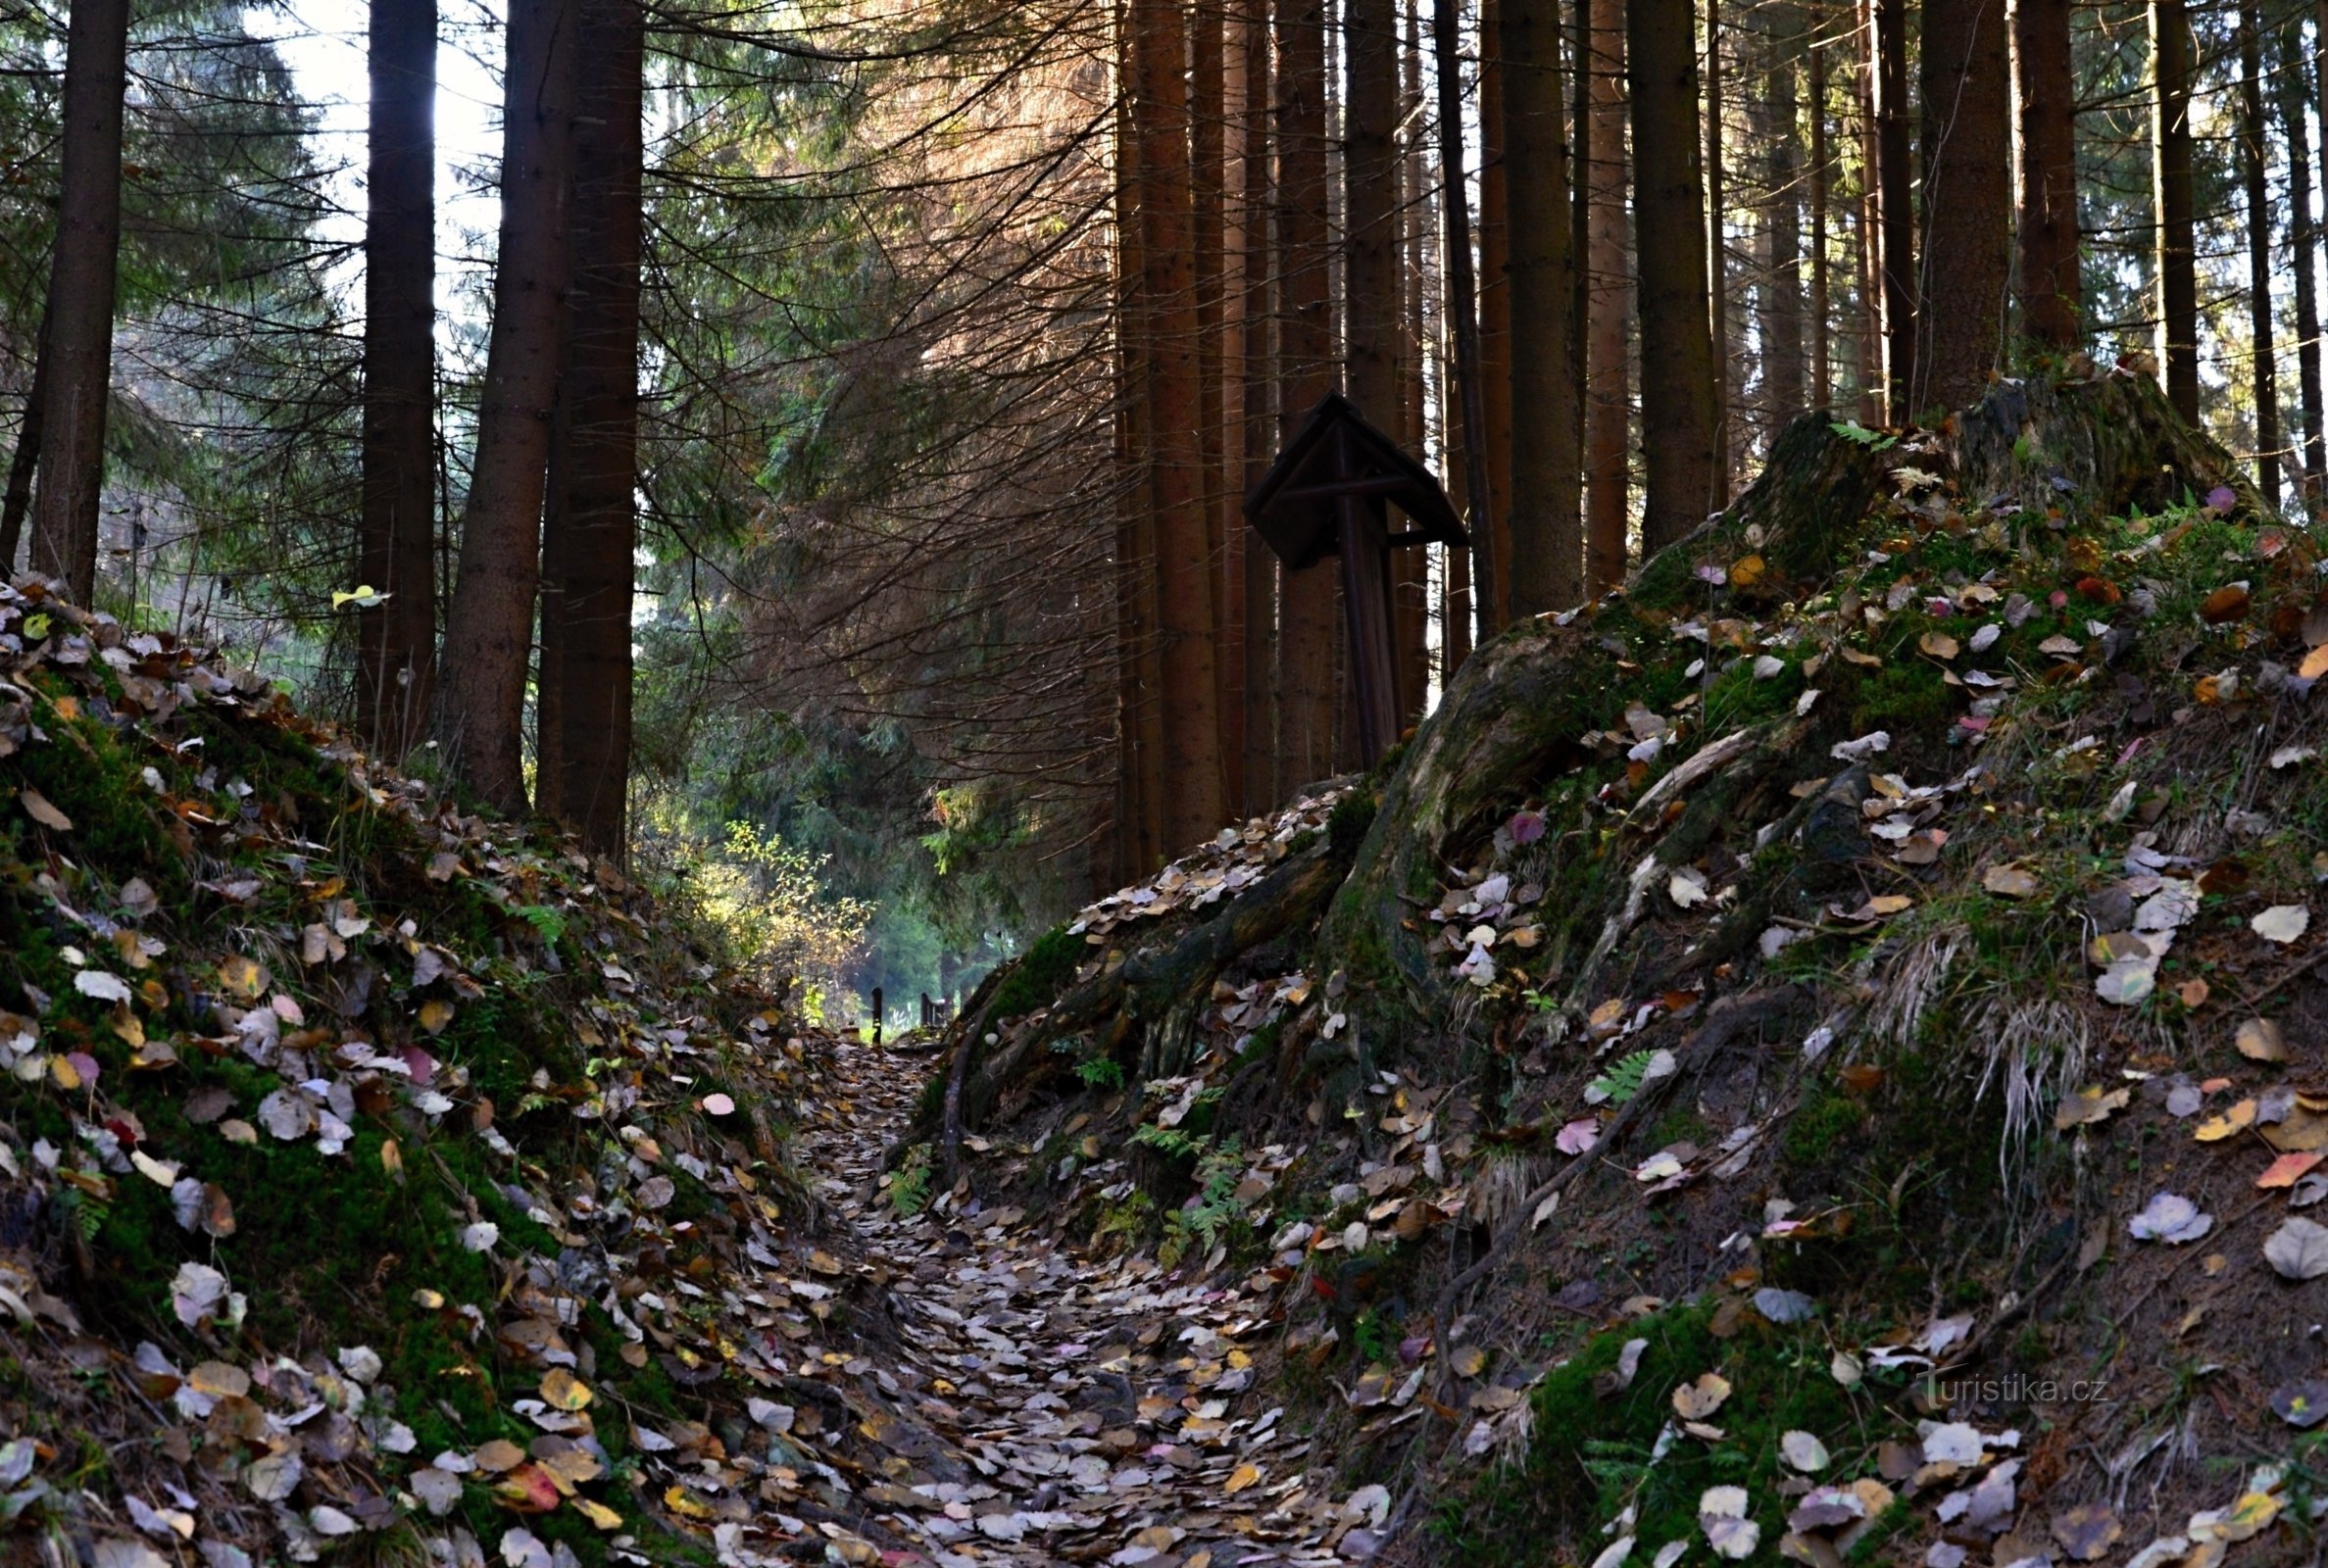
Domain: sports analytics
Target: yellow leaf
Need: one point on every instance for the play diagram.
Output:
(680, 1500)
(2216, 1129)
(598, 1513)
(564, 1390)
(1244, 1476)
(1746, 572)
(435, 1015)
(365, 597)
(2315, 664)
(391, 1157)
(244, 977)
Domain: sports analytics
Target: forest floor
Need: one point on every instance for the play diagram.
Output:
(1091, 1396)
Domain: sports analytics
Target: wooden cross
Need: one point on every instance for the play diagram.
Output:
(1329, 493)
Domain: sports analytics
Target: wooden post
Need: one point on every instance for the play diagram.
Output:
(1365, 599)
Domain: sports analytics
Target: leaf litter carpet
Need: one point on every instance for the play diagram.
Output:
(1088, 1410)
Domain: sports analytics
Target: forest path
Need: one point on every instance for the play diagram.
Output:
(1093, 1409)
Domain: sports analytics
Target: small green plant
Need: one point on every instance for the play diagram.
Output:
(1621, 1083)
(908, 1185)
(1172, 1142)
(1213, 1213)
(1100, 1072)
(1852, 430)
(546, 920)
(1372, 1337)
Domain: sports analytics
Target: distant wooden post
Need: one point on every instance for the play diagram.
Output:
(1329, 493)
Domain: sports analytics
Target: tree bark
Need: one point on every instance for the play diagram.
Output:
(2303, 243)
(1495, 309)
(1895, 248)
(1546, 531)
(1371, 209)
(1139, 736)
(1822, 175)
(1966, 268)
(1717, 262)
(1782, 219)
(2052, 284)
(1609, 407)
(77, 373)
(2254, 170)
(489, 629)
(396, 555)
(1411, 569)
(583, 722)
(1258, 566)
(1462, 316)
(26, 460)
(1308, 619)
(2177, 272)
(1678, 411)
(1207, 139)
(1191, 762)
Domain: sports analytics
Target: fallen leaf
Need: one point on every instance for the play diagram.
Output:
(2260, 1039)
(1695, 1401)
(37, 806)
(2282, 922)
(2298, 1250)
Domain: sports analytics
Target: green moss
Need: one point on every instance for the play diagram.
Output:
(1347, 824)
(1041, 973)
(1589, 1455)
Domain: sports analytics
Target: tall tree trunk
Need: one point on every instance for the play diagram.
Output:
(396, 641)
(1308, 621)
(1547, 570)
(1871, 339)
(489, 628)
(1495, 305)
(2304, 242)
(1822, 178)
(1370, 207)
(1678, 411)
(2050, 283)
(76, 376)
(1207, 85)
(1718, 261)
(1895, 250)
(1191, 761)
(1139, 726)
(2170, 174)
(1782, 219)
(583, 720)
(1411, 569)
(1965, 271)
(1609, 407)
(1258, 281)
(1463, 314)
(2253, 154)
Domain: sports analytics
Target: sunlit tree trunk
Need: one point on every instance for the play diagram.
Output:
(1546, 531)
(1409, 573)
(584, 717)
(2303, 243)
(2254, 169)
(1966, 270)
(1191, 775)
(1678, 409)
(489, 628)
(396, 641)
(2050, 283)
(75, 374)
(2177, 270)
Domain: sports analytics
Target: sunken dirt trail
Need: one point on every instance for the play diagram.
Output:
(1090, 1410)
